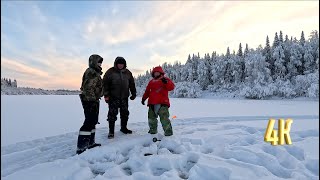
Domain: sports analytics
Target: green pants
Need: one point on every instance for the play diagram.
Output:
(164, 119)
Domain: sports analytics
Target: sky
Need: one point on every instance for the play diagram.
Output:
(47, 44)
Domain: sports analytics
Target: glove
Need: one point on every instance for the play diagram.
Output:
(164, 80)
(142, 101)
(106, 99)
(132, 97)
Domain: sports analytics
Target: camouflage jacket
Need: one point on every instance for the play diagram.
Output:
(91, 86)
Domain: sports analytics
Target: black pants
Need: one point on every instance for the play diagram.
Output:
(91, 113)
(114, 106)
(86, 136)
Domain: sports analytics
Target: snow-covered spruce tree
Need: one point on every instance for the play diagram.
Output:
(227, 77)
(277, 55)
(309, 60)
(213, 60)
(15, 84)
(241, 63)
(203, 74)
(195, 62)
(188, 72)
(208, 62)
(9, 83)
(281, 37)
(187, 90)
(279, 67)
(301, 42)
(282, 74)
(176, 70)
(276, 41)
(239, 53)
(235, 67)
(267, 53)
(295, 60)
(217, 70)
(314, 42)
(287, 46)
(246, 50)
(311, 53)
(258, 82)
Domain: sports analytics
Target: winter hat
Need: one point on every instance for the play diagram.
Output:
(157, 69)
(120, 60)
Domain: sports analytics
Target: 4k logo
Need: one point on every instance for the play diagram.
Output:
(275, 137)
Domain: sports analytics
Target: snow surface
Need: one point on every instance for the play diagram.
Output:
(213, 139)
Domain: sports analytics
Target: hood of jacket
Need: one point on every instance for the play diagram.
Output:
(120, 60)
(157, 69)
(94, 59)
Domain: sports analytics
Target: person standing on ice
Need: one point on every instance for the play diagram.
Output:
(117, 82)
(157, 92)
(91, 93)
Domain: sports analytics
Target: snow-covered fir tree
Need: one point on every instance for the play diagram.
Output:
(279, 63)
(258, 82)
(203, 74)
(268, 55)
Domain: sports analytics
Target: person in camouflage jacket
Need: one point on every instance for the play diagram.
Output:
(117, 82)
(91, 93)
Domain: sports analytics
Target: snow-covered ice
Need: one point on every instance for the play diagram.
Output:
(213, 139)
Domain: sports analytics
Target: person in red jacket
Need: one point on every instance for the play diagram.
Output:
(158, 102)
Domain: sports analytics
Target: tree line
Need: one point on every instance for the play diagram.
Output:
(289, 67)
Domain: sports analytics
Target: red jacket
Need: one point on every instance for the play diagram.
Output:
(157, 91)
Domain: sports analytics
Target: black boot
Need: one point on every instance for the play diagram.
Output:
(124, 128)
(94, 145)
(83, 141)
(111, 129)
(92, 142)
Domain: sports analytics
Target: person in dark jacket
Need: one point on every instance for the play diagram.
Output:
(117, 82)
(91, 93)
(157, 91)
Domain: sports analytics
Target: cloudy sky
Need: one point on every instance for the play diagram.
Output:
(47, 44)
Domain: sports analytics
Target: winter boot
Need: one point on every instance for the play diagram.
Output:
(92, 143)
(111, 129)
(124, 128)
(83, 141)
